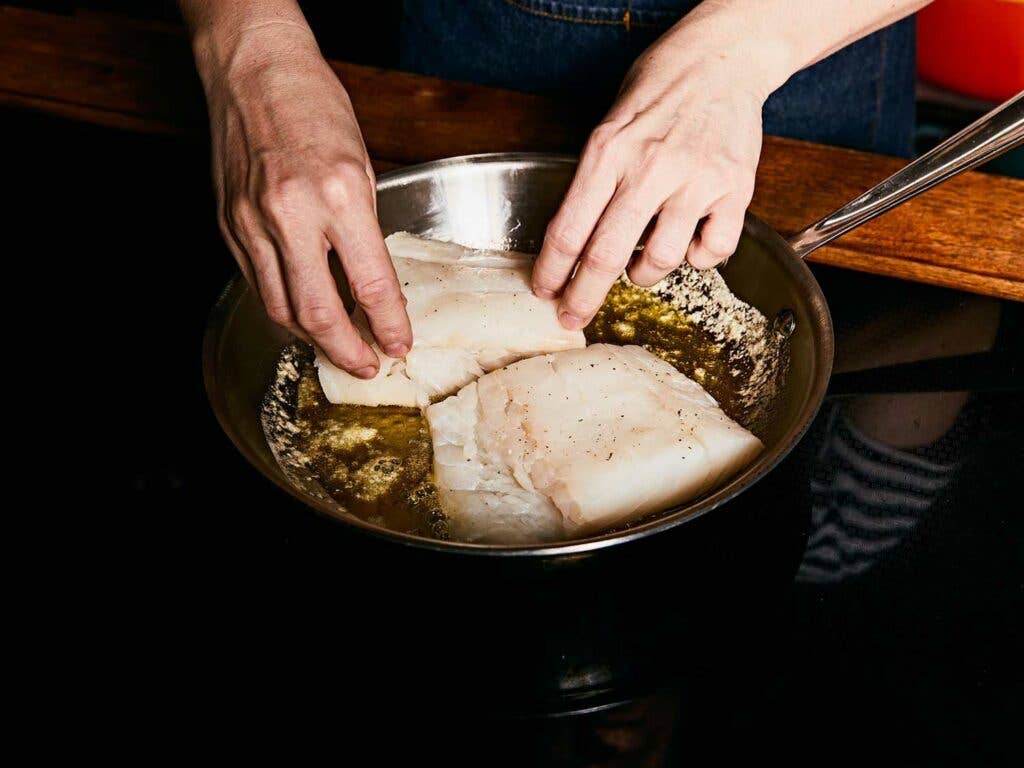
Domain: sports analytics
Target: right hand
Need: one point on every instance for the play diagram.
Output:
(293, 180)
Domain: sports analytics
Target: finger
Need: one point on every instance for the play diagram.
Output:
(373, 185)
(226, 208)
(262, 267)
(357, 239)
(570, 229)
(270, 283)
(263, 274)
(318, 307)
(236, 248)
(605, 257)
(718, 236)
(666, 248)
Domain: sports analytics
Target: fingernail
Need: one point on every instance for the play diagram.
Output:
(543, 293)
(366, 373)
(570, 321)
(398, 349)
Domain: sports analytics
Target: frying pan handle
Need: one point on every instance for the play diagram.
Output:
(1000, 130)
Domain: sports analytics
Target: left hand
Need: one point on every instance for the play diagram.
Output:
(681, 143)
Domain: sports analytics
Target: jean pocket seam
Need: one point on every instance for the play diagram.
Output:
(626, 21)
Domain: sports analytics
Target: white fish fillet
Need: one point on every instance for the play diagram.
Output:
(471, 311)
(573, 442)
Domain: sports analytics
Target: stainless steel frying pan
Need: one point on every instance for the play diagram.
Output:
(506, 200)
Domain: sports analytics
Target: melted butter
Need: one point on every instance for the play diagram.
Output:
(633, 316)
(376, 461)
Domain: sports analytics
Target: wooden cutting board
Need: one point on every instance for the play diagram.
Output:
(966, 234)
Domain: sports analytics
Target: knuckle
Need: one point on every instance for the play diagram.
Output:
(665, 257)
(720, 244)
(283, 196)
(581, 306)
(355, 172)
(713, 249)
(318, 318)
(350, 354)
(605, 145)
(602, 137)
(388, 331)
(233, 242)
(242, 221)
(279, 313)
(604, 262)
(375, 293)
(236, 211)
(268, 200)
(346, 182)
(701, 259)
(334, 189)
(563, 240)
(226, 231)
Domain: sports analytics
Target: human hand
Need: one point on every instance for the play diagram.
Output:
(681, 144)
(293, 180)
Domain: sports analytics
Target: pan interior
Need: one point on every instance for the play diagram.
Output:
(505, 201)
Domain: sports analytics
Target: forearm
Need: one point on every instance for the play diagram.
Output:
(293, 180)
(773, 39)
(235, 35)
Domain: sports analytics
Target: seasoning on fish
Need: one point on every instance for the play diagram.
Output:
(571, 443)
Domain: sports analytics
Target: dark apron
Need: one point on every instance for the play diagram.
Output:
(861, 97)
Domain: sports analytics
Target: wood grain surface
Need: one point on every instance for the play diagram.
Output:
(966, 234)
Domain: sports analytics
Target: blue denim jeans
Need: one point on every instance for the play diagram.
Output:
(860, 97)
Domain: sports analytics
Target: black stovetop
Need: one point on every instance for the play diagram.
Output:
(864, 603)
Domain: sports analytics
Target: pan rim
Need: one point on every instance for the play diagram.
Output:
(667, 520)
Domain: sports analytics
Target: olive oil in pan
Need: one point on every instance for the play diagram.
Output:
(376, 461)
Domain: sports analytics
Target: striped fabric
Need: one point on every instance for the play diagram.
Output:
(867, 498)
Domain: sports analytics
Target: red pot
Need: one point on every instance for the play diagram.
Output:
(973, 47)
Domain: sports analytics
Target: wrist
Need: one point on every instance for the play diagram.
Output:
(738, 44)
(229, 54)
